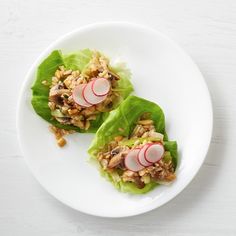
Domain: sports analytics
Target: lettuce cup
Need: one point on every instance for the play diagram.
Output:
(132, 149)
(76, 92)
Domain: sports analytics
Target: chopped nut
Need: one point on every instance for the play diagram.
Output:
(113, 145)
(100, 156)
(52, 105)
(61, 142)
(145, 122)
(72, 111)
(64, 109)
(87, 125)
(62, 68)
(118, 138)
(138, 131)
(113, 76)
(170, 177)
(129, 175)
(142, 172)
(145, 135)
(58, 74)
(100, 107)
(149, 127)
(76, 73)
(78, 123)
(78, 117)
(92, 117)
(58, 135)
(146, 179)
(154, 134)
(70, 99)
(104, 163)
(54, 80)
(104, 74)
(68, 81)
(89, 111)
(52, 128)
(67, 72)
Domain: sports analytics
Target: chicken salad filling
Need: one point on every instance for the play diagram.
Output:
(141, 170)
(62, 103)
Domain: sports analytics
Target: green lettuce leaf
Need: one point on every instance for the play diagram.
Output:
(124, 85)
(78, 60)
(121, 121)
(172, 147)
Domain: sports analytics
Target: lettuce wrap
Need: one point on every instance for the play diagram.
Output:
(121, 122)
(76, 61)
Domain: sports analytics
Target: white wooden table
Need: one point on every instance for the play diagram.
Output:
(206, 29)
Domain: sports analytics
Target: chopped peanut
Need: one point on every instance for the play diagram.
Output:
(61, 142)
(87, 125)
(145, 122)
(118, 138)
(72, 111)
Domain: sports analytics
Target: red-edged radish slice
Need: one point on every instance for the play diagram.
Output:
(141, 159)
(154, 152)
(131, 161)
(78, 97)
(100, 87)
(90, 97)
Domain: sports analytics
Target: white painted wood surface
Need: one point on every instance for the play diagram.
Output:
(206, 29)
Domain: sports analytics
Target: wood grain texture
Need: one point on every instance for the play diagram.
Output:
(206, 29)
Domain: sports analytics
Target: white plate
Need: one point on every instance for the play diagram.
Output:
(163, 73)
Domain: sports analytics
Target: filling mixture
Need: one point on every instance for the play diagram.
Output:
(76, 98)
(141, 159)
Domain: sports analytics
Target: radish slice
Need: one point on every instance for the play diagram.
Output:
(90, 97)
(78, 97)
(100, 87)
(131, 161)
(154, 152)
(141, 158)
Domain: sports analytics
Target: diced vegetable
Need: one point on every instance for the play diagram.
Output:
(58, 113)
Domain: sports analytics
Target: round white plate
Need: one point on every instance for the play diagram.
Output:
(162, 73)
